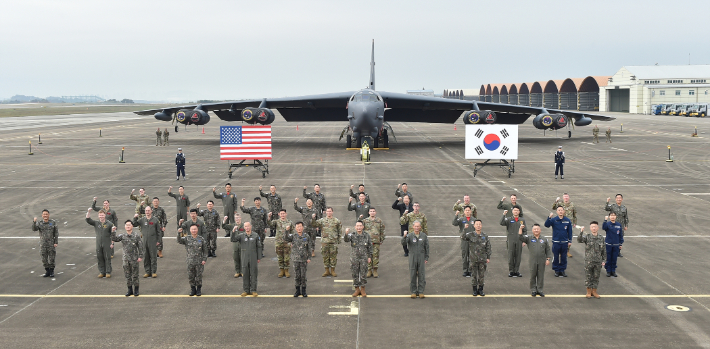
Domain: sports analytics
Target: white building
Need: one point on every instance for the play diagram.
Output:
(635, 89)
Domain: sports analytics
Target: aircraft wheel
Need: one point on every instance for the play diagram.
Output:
(385, 141)
(176, 129)
(348, 141)
(359, 143)
(376, 142)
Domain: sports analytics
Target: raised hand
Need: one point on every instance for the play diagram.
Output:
(458, 201)
(295, 200)
(133, 190)
(214, 189)
(314, 215)
(35, 219)
(94, 198)
(581, 230)
(304, 187)
(607, 200)
(347, 230)
(260, 187)
(551, 215)
(606, 218)
(351, 199)
(352, 186)
(505, 212)
(558, 199)
(503, 199)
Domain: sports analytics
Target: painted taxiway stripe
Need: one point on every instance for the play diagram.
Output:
(349, 296)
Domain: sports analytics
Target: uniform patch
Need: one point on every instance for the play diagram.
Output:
(533, 240)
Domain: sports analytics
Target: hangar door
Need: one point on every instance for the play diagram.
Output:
(619, 100)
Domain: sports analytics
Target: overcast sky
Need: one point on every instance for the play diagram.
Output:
(186, 50)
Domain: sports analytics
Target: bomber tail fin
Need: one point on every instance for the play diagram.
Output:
(372, 68)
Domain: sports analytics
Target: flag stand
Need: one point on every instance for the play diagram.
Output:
(502, 163)
(257, 164)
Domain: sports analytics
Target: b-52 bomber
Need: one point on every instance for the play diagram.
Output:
(368, 112)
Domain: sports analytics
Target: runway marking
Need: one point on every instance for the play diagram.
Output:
(354, 309)
(348, 296)
(695, 193)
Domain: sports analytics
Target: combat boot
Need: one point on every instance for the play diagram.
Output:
(374, 273)
(236, 275)
(480, 291)
(254, 294)
(362, 291)
(199, 291)
(421, 295)
(369, 274)
(298, 292)
(327, 272)
(160, 254)
(357, 292)
(589, 293)
(595, 294)
(155, 275)
(51, 272)
(46, 272)
(332, 272)
(135, 291)
(108, 276)
(244, 294)
(193, 290)
(214, 253)
(303, 292)
(130, 291)
(281, 273)
(286, 273)
(146, 275)
(475, 291)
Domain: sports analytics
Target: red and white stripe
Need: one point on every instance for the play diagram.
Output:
(256, 145)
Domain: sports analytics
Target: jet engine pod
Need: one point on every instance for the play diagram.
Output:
(559, 121)
(543, 121)
(199, 117)
(163, 116)
(475, 117)
(490, 117)
(584, 121)
(258, 115)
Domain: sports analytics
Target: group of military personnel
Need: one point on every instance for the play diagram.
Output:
(595, 133)
(161, 138)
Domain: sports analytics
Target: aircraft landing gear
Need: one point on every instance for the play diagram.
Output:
(348, 141)
(176, 128)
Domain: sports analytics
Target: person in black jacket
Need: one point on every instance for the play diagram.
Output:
(180, 164)
(559, 162)
(403, 204)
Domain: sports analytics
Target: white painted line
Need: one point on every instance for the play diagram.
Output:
(348, 281)
(695, 193)
(71, 264)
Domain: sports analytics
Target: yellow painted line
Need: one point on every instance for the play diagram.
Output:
(347, 296)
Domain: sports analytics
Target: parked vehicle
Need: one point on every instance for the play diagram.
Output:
(699, 110)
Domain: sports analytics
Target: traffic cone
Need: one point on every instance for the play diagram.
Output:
(203, 130)
(454, 127)
(296, 127)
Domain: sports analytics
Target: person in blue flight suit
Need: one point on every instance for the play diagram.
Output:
(614, 240)
(561, 240)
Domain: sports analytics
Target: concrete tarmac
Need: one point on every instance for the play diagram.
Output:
(661, 298)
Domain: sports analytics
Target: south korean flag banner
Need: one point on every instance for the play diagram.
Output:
(484, 142)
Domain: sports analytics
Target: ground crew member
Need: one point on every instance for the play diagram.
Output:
(142, 201)
(402, 190)
(622, 215)
(196, 248)
(103, 229)
(608, 135)
(132, 253)
(361, 207)
(282, 226)
(402, 205)
(331, 229)
(595, 132)
(229, 202)
(505, 206)
(418, 243)
(165, 137)
(235, 229)
(300, 255)
(561, 240)
(185, 225)
(318, 199)
(458, 207)
(180, 164)
(110, 214)
(274, 201)
(480, 255)
(409, 218)
(360, 256)
(374, 226)
(540, 254)
(212, 222)
(361, 190)
(570, 212)
(307, 215)
(515, 247)
(251, 250)
(560, 162)
(48, 240)
(365, 152)
(182, 202)
(594, 257)
(151, 229)
(259, 219)
(614, 240)
(158, 139)
(159, 213)
(465, 225)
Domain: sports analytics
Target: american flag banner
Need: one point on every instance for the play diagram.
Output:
(245, 142)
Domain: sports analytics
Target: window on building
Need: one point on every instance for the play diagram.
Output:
(677, 92)
(691, 93)
(663, 93)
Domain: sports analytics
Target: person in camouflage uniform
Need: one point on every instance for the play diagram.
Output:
(229, 202)
(196, 247)
(458, 207)
(185, 225)
(159, 213)
(317, 198)
(570, 212)
(165, 137)
(361, 190)
(212, 223)
(361, 207)
(331, 229)
(480, 255)
(608, 135)
(251, 250)
(259, 219)
(419, 246)
(360, 256)
(282, 225)
(515, 247)
(48, 240)
(158, 137)
(110, 214)
(151, 230)
(142, 201)
(402, 191)
(410, 217)
(103, 230)
(540, 254)
(182, 202)
(595, 132)
(300, 254)
(274, 201)
(465, 225)
(594, 257)
(502, 205)
(307, 213)
(234, 230)
(622, 215)
(375, 227)
(132, 252)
